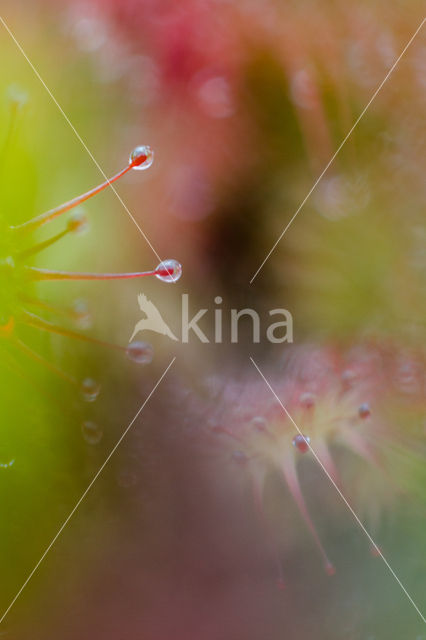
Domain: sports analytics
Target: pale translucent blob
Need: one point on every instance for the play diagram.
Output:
(92, 433)
(364, 410)
(307, 400)
(259, 423)
(7, 465)
(301, 443)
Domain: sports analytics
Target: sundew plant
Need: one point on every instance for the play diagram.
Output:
(29, 365)
(231, 487)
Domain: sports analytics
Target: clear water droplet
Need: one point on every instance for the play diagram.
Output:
(364, 411)
(90, 389)
(140, 352)
(78, 222)
(301, 443)
(141, 157)
(169, 271)
(92, 433)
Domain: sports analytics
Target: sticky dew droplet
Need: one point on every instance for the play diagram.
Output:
(169, 271)
(301, 443)
(140, 352)
(90, 389)
(141, 157)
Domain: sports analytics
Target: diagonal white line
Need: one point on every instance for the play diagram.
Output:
(80, 139)
(92, 482)
(376, 548)
(339, 148)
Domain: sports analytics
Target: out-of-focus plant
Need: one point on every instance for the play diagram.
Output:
(344, 401)
(246, 105)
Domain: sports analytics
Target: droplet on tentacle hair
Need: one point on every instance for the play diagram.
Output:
(364, 411)
(141, 157)
(92, 433)
(90, 389)
(77, 222)
(140, 352)
(169, 271)
(301, 443)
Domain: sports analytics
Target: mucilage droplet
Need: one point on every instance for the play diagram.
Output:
(140, 352)
(169, 271)
(141, 157)
(78, 222)
(364, 411)
(301, 443)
